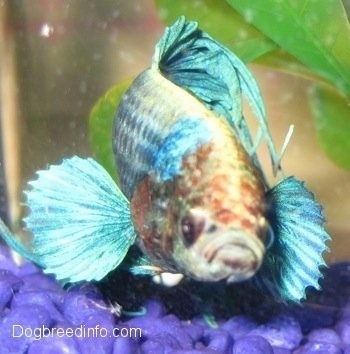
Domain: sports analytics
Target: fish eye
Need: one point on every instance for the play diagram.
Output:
(188, 231)
(191, 227)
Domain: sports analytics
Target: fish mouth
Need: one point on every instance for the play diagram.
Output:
(234, 256)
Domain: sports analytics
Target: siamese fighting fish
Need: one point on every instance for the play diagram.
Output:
(193, 197)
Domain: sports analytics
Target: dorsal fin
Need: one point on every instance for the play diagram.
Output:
(193, 60)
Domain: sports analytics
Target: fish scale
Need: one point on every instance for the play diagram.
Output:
(155, 105)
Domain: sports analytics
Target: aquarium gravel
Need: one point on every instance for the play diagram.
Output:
(31, 301)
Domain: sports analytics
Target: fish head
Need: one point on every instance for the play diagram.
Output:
(209, 249)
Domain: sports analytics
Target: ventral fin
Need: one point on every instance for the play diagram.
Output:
(80, 221)
(139, 265)
(293, 261)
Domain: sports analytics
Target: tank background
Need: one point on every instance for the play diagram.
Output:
(67, 54)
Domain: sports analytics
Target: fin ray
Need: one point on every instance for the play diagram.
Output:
(80, 220)
(293, 262)
(189, 57)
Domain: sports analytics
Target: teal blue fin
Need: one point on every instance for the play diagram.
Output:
(193, 60)
(80, 221)
(138, 264)
(144, 267)
(293, 261)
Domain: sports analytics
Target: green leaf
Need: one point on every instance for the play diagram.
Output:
(284, 62)
(101, 126)
(223, 23)
(331, 113)
(316, 32)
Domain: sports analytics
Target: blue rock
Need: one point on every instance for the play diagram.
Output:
(219, 340)
(252, 345)
(282, 331)
(125, 345)
(319, 348)
(325, 335)
(239, 326)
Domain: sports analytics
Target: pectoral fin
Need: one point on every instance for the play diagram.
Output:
(293, 262)
(80, 221)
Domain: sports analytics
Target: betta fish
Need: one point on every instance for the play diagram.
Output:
(193, 198)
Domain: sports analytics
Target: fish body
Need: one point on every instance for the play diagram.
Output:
(193, 195)
(182, 167)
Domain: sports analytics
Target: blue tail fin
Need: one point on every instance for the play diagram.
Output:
(198, 63)
(80, 221)
(294, 260)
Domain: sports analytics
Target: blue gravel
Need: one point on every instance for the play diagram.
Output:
(37, 316)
